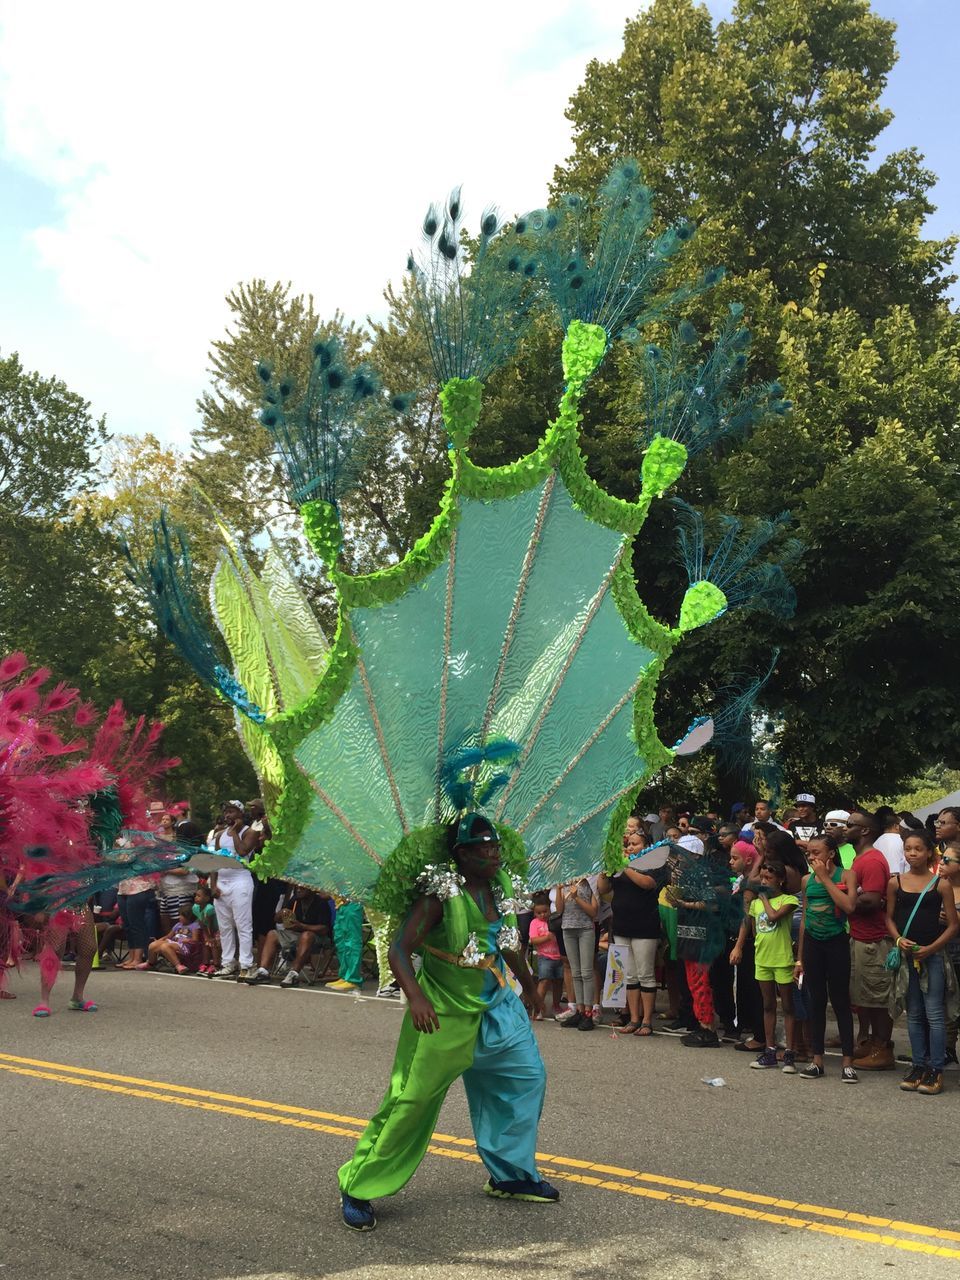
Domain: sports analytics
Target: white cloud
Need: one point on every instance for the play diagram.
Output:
(192, 146)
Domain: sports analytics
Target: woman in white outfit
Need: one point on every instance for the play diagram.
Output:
(232, 890)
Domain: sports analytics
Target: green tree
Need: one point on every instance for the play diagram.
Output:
(763, 130)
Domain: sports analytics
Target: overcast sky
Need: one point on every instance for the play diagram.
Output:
(153, 157)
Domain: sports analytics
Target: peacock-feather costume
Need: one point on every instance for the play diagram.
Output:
(506, 664)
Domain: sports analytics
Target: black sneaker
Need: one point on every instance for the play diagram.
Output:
(586, 1023)
(678, 1028)
(849, 1076)
(729, 1035)
(912, 1079)
(538, 1192)
(813, 1072)
(789, 1064)
(573, 1022)
(357, 1214)
(701, 1039)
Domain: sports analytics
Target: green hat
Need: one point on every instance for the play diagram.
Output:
(467, 832)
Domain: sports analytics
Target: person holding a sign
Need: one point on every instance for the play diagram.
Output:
(636, 927)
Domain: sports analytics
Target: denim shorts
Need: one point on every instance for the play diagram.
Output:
(549, 970)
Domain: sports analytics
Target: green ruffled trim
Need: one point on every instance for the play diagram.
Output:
(584, 346)
(663, 465)
(703, 602)
(460, 400)
(395, 889)
(321, 524)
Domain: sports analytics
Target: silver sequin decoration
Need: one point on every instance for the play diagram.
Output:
(471, 955)
(440, 882)
(508, 939)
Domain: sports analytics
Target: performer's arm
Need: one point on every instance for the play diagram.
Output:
(425, 915)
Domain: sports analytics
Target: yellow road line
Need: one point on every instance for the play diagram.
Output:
(310, 1119)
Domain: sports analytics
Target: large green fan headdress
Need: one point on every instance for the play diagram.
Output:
(515, 618)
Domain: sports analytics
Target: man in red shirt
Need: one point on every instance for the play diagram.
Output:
(870, 979)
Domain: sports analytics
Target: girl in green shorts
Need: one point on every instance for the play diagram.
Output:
(772, 912)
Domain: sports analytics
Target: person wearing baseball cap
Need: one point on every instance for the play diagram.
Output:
(835, 824)
(805, 825)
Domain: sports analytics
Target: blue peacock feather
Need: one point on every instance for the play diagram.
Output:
(732, 565)
(320, 435)
(699, 402)
(460, 774)
(167, 582)
(735, 723)
(611, 281)
(473, 306)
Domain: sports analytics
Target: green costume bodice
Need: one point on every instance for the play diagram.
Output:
(464, 988)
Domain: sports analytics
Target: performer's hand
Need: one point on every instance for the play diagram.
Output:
(534, 1002)
(423, 1015)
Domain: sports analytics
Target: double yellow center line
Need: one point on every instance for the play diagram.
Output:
(821, 1219)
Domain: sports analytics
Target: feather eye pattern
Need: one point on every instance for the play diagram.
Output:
(732, 565)
(320, 434)
(474, 306)
(167, 582)
(610, 281)
(700, 402)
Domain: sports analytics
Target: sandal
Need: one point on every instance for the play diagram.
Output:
(182, 968)
(645, 1029)
(628, 1029)
(42, 1011)
(83, 1006)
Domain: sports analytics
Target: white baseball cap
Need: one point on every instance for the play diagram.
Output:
(805, 798)
(837, 815)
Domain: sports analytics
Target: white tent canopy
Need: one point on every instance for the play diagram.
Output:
(946, 802)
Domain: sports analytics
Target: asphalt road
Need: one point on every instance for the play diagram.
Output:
(137, 1143)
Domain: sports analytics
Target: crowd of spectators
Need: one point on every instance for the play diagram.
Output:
(735, 928)
(856, 910)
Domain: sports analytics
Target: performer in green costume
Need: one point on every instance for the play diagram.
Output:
(463, 1019)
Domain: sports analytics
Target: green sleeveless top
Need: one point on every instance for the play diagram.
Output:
(823, 918)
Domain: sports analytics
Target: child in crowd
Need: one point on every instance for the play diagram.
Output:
(205, 914)
(549, 959)
(181, 947)
(772, 911)
(917, 901)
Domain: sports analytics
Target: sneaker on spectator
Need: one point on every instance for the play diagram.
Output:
(789, 1064)
(849, 1076)
(291, 979)
(702, 1038)
(226, 971)
(765, 1060)
(390, 992)
(571, 1023)
(813, 1072)
(568, 1014)
(586, 1023)
(932, 1082)
(252, 976)
(911, 1080)
(729, 1035)
(678, 1028)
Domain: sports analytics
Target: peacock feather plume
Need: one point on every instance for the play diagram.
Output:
(320, 432)
(700, 401)
(731, 576)
(600, 262)
(473, 301)
(167, 582)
